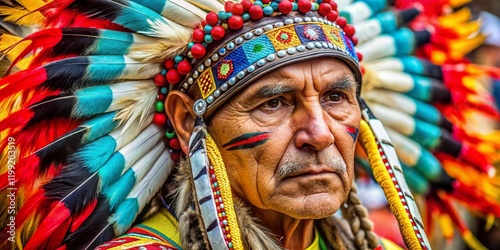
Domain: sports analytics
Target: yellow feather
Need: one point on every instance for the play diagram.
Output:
(469, 28)
(490, 221)
(446, 226)
(24, 63)
(20, 16)
(32, 5)
(452, 19)
(459, 3)
(472, 241)
(6, 41)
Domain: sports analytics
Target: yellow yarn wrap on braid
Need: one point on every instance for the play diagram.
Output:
(225, 191)
(368, 142)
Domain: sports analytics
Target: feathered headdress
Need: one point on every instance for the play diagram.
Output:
(85, 117)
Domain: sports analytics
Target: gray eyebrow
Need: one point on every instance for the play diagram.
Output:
(270, 91)
(346, 83)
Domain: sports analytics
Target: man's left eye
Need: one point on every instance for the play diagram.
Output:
(336, 97)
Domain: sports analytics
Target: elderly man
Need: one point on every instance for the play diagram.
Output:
(287, 152)
(261, 99)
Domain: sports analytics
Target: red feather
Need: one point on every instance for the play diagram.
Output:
(40, 41)
(52, 230)
(45, 132)
(34, 138)
(40, 95)
(27, 166)
(58, 16)
(16, 121)
(30, 207)
(447, 207)
(22, 80)
(476, 159)
(431, 211)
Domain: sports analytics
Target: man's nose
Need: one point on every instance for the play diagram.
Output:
(312, 128)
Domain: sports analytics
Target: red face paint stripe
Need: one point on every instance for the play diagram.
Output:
(249, 140)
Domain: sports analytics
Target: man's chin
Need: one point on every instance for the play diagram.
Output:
(314, 206)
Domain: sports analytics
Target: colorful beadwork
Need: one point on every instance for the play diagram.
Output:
(221, 210)
(402, 198)
(206, 83)
(225, 69)
(284, 38)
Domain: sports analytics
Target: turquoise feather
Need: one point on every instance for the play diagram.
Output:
(406, 104)
(415, 156)
(118, 191)
(100, 99)
(141, 194)
(99, 126)
(112, 42)
(93, 155)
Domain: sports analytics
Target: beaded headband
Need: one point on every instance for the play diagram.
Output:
(228, 52)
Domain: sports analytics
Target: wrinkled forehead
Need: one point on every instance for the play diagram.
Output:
(261, 48)
(320, 72)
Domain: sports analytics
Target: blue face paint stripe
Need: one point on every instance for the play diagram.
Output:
(353, 132)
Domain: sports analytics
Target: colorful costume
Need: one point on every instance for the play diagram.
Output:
(95, 154)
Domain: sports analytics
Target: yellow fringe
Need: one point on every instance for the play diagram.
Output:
(225, 191)
(381, 175)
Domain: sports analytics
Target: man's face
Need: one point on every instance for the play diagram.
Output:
(288, 139)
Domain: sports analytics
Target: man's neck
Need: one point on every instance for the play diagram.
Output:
(292, 233)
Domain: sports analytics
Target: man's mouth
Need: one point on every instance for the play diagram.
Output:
(311, 171)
